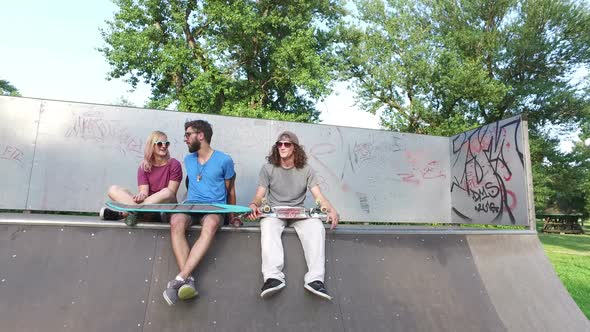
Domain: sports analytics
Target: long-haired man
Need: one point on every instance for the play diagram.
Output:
(284, 181)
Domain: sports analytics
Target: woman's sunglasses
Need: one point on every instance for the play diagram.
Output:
(160, 143)
(285, 144)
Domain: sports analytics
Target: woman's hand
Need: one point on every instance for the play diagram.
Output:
(139, 197)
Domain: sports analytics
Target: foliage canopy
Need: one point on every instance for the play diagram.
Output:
(264, 58)
(444, 66)
(435, 66)
(7, 89)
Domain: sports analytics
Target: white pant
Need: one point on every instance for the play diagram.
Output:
(312, 235)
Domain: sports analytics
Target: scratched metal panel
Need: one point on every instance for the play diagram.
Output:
(74, 278)
(57, 278)
(376, 175)
(82, 149)
(369, 175)
(18, 129)
(488, 175)
(85, 148)
(410, 283)
(228, 280)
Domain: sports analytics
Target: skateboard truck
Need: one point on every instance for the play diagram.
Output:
(289, 212)
(264, 207)
(318, 210)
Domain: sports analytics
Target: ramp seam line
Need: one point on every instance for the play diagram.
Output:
(149, 291)
(337, 297)
(32, 220)
(41, 108)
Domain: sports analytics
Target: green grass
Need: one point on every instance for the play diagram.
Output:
(570, 256)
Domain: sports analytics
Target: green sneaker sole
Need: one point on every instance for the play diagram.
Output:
(131, 219)
(186, 292)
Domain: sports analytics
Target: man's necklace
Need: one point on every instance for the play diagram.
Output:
(200, 175)
(202, 168)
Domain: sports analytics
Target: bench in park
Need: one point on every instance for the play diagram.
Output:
(562, 223)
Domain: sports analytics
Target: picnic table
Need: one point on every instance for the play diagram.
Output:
(562, 223)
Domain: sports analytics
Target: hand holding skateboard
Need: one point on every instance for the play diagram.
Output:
(290, 212)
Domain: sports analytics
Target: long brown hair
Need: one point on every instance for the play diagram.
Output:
(275, 158)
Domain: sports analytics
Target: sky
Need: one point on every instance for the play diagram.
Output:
(49, 50)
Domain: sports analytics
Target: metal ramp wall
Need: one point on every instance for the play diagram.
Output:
(72, 273)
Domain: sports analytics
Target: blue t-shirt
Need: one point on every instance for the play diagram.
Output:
(207, 182)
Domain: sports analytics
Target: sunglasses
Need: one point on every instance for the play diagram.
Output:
(189, 133)
(285, 144)
(160, 143)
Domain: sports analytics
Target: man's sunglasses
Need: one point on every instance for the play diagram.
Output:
(160, 143)
(189, 133)
(285, 144)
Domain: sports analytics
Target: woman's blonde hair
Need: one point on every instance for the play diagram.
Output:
(148, 151)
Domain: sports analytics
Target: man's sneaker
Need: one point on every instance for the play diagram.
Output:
(317, 287)
(271, 286)
(188, 290)
(171, 291)
(149, 216)
(165, 217)
(108, 214)
(131, 219)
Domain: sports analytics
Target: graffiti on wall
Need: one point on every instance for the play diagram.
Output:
(92, 126)
(341, 162)
(421, 168)
(371, 170)
(11, 153)
(368, 175)
(484, 163)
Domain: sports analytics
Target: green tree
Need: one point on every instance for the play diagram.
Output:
(265, 58)
(425, 62)
(564, 183)
(581, 161)
(562, 179)
(123, 101)
(444, 66)
(7, 89)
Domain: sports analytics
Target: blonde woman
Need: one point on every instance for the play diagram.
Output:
(158, 179)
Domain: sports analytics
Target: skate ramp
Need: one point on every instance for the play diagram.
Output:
(92, 278)
(53, 158)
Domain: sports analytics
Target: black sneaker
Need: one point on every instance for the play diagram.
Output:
(271, 286)
(108, 214)
(317, 287)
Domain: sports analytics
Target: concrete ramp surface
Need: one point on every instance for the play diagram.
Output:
(65, 278)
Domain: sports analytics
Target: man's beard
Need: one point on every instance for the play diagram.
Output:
(194, 147)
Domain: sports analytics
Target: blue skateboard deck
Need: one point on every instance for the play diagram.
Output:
(179, 208)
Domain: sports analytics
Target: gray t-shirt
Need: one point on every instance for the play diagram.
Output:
(286, 187)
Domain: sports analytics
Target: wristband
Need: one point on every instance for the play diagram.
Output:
(256, 201)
